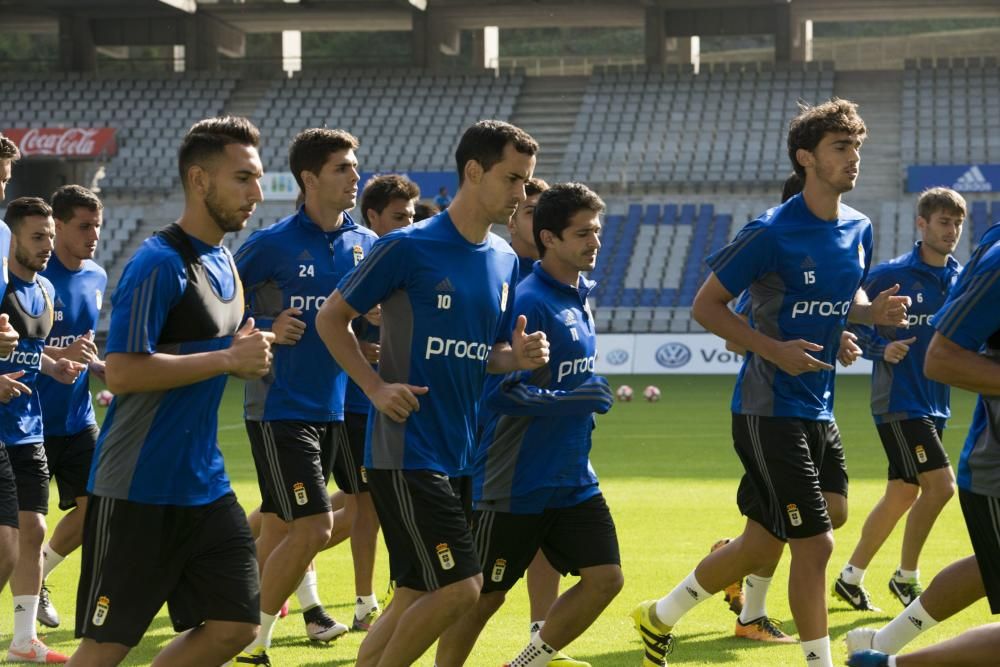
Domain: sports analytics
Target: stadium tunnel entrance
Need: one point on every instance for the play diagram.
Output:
(40, 176)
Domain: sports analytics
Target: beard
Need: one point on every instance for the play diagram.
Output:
(31, 262)
(227, 221)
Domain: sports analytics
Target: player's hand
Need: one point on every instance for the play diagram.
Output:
(849, 351)
(67, 371)
(897, 350)
(8, 337)
(370, 350)
(82, 349)
(10, 388)
(286, 328)
(793, 357)
(530, 350)
(890, 310)
(250, 352)
(374, 316)
(397, 400)
(97, 368)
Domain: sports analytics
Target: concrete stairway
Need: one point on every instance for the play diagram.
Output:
(547, 109)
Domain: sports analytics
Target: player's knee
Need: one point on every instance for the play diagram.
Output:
(32, 532)
(463, 594)
(233, 635)
(314, 530)
(838, 516)
(939, 488)
(813, 551)
(607, 582)
(900, 495)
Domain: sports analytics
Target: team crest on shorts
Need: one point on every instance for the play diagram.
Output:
(359, 254)
(921, 453)
(444, 556)
(101, 612)
(503, 296)
(499, 567)
(794, 516)
(299, 489)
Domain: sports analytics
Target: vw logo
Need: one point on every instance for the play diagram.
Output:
(617, 357)
(673, 355)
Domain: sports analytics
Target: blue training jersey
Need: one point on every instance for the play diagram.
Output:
(534, 452)
(802, 273)
(67, 408)
(445, 303)
(355, 400)
(970, 318)
(170, 453)
(902, 391)
(21, 417)
(295, 264)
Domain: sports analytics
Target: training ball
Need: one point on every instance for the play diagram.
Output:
(104, 398)
(651, 393)
(624, 393)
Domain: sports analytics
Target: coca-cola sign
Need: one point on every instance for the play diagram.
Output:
(64, 142)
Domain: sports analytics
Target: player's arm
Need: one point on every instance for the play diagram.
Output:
(516, 396)
(333, 324)
(711, 310)
(886, 309)
(254, 271)
(524, 351)
(247, 357)
(733, 347)
(950, 363)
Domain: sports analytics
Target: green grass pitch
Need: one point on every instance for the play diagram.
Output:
(669, 474)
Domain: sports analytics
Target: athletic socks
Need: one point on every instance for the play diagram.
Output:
(535, 627)
(263, 639)
(25, 610)
(755, 598)
(49, 560)
(364, 604)
(852, 575)
(680, 601)
(907, 576)
(903, 629)
(308, 591)
(817, 652)
(536, 654)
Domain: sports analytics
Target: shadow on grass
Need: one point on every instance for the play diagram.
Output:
(699, 648)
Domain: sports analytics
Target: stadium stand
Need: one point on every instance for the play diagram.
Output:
(722, 126)
(949, 111)
(405, 121)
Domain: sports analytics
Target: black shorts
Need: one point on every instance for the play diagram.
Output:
(8, 491)
(913, 447)
(982, 519)
(425, 529)
(200, 560)
(462, 487)
(572, 538)
(69, 459)
(789, 464)
(349, 466)
(31, 475)
(293, 460)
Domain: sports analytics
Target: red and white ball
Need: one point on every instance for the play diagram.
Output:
(104, 398)
(624, 393)
(651, 393)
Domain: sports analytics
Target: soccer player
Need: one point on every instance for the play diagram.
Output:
(422, 211)
(533, 484)
(910, 410)
(70, 425)
(963, 353)
(446, 287)
(387, 204)
(27, 302)
(295, 414)
(804, 262)
(163, 524)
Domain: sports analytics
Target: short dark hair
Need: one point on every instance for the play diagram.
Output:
(70, 197)
(933, 200)
(311, 149)
(534, 186)
(8, 149)
(422, 211)
(814, 122)
(484, 142)
(791, 187)
(557, 205)
(25, 207)
(381, 190)
(209, 137)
